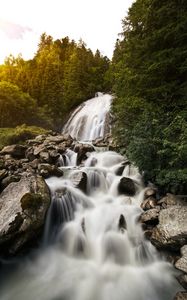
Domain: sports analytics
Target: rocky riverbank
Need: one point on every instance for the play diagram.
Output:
(165, 223)
(25, 198)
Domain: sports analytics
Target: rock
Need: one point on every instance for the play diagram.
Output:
(120, 170)
(54, 155)
(150, 192)
(182, 279)
(34, 164)
(44, 156)
(3, 174)
(82, 150)
(23, 206)
(38, 149)
(181, 264)
(181, 296)
(16, 151)
(79, 180)
(149, 203)
(170, 200)
(29, 154)
(150, 216)
(171, 232)
(47, 170)
(126, 186)
(7, 180)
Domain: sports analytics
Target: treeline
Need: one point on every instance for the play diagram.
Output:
(43, 90)
(149, 71)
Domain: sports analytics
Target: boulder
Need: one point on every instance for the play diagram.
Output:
(150, 192)
(150, 216)
(23, 206)
(171, 232)
(16, 151)
(7, 180)
(181, 264)
(127, 186)
(181, 296)
(3, 174)
(149, 203)
(79, 180)
(82, 150)
(170, 200)
(47, 170)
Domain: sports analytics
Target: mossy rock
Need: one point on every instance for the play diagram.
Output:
(31, 201)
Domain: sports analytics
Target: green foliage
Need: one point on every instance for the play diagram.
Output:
(61, 75)
(149, 71)
(19, 134)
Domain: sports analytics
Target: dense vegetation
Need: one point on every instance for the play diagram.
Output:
(42, 91)
(149, 71)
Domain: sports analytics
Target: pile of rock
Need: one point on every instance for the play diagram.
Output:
(165, 224)
(24, 195)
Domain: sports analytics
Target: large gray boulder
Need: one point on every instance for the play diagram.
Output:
(171, 232)
(126, 186)
(23, 206)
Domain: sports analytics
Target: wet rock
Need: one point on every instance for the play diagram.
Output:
(181, 264)
(150, 216)
(79, 180)
(34, 164)
(170, 200)
(23, 207)
(47, 170)
(126, 186)
(54, 155)
(171, 232)
(182, 279)
(150, 192)
(181, 296)
(16, 151)
(149, 203)
(38, 149)
(3, 174)
(82, 150)
(7, 180)
(29, 154)
(120, 170)
(44, 156)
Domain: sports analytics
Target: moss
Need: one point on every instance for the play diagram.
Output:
(19, 134)
(31, 201)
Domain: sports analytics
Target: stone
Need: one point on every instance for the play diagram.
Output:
(3, 174)
(38, 149)
(7, 180)
(44, 156)
(82, 150)
(149, 203)
(150, 192)
(23, 206)
(182, 279)
(181, 264)
(47, 170)
(16, 151)
(171, 232)
(181, 296)
(150, 216)
(79, 180)
(126, 186)
(170, 200)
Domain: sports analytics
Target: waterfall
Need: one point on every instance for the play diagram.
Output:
(90, 120)
(95, 247)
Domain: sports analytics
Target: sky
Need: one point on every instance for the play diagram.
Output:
(96, 22)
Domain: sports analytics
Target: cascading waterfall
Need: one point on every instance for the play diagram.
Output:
(95, 248)
(89, 121)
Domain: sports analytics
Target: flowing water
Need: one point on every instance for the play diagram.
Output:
(94, 247)
(90, 120)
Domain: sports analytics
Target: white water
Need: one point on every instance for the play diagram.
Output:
(96, 246)
(88, 122)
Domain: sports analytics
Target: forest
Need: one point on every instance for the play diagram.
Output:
(147, 75)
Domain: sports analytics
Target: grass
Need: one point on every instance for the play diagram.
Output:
(19, 134)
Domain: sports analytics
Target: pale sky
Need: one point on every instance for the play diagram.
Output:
(97, 22)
